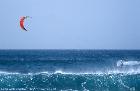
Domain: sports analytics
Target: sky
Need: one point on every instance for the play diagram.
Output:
(70, 24)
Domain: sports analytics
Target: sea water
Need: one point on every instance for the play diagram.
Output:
(69, 70)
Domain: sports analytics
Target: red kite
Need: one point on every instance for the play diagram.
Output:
(22, 22)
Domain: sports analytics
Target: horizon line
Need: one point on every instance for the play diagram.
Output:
(67, 49)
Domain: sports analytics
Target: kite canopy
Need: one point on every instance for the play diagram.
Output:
(22, 22)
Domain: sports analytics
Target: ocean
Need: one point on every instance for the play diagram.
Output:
(69, 70)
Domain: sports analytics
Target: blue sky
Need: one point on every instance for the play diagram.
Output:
(70, 24)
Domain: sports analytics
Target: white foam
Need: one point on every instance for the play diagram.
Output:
(112, 72)
(58, 72)
(4, 72)
(127, 63)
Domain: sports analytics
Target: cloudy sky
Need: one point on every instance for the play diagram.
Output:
(70, 24)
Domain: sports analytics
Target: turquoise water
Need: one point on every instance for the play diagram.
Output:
(69, 70)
